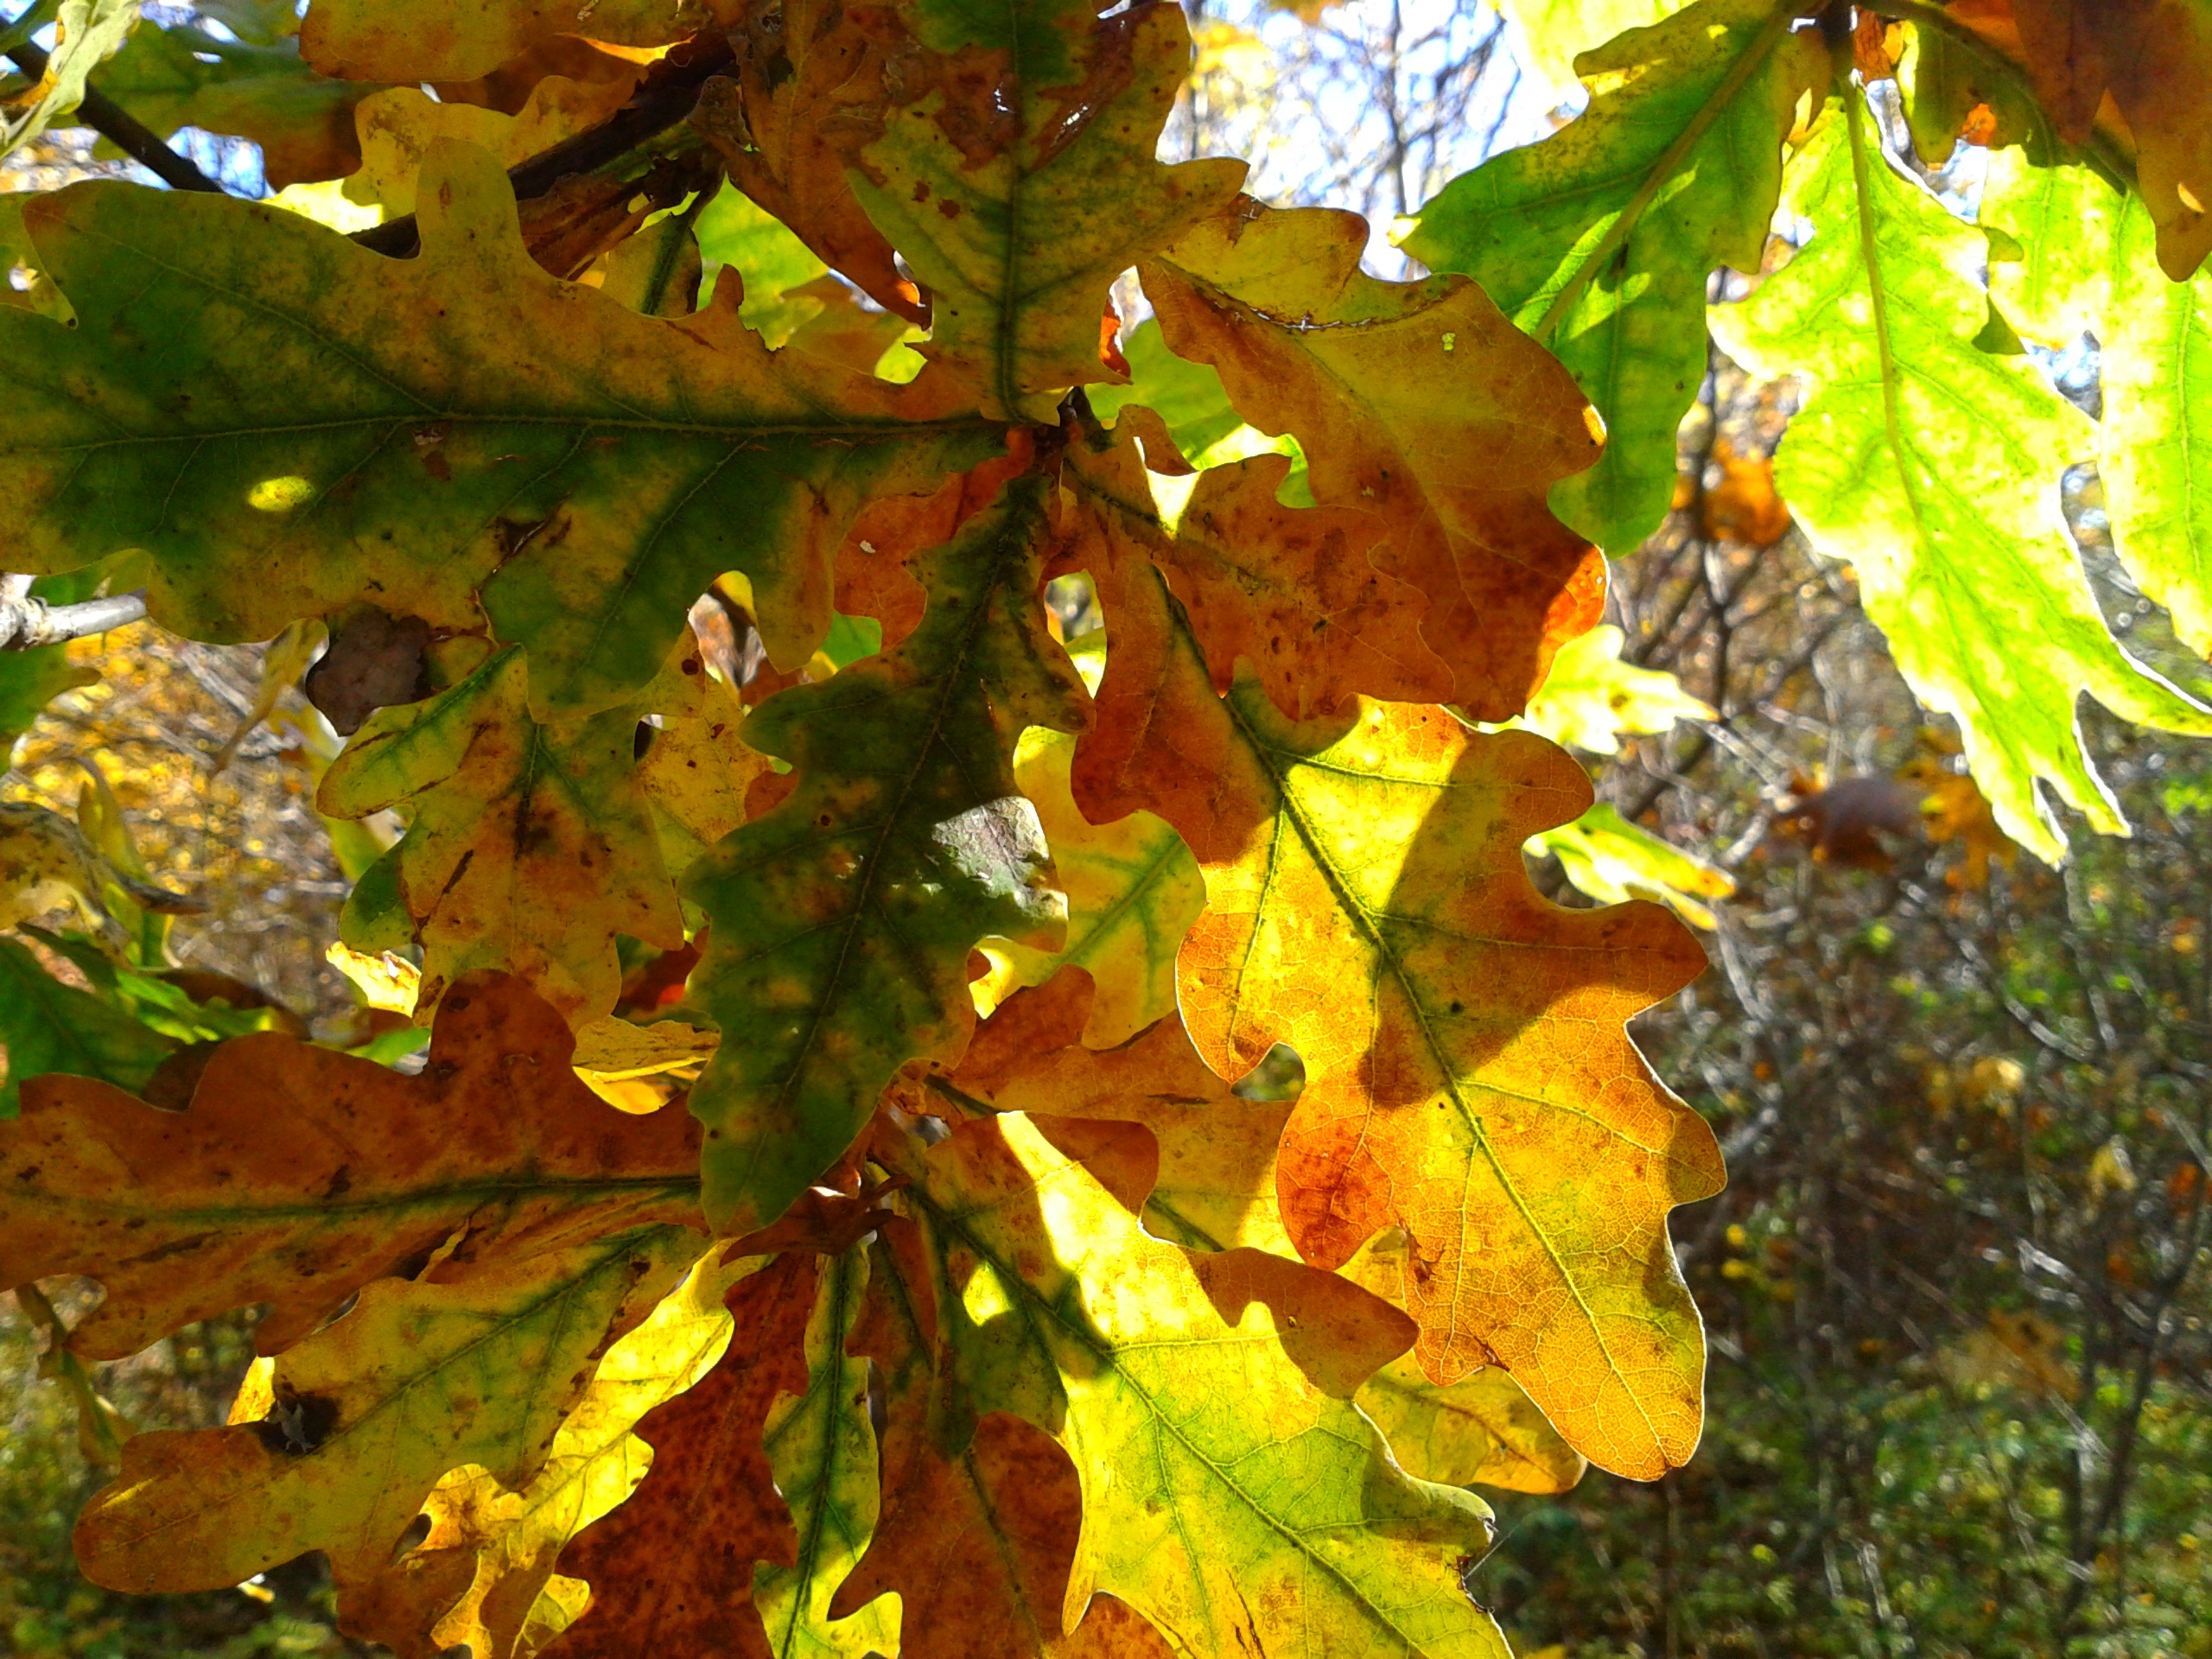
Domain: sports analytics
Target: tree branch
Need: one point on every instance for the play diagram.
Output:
(667, 98)
(26, 623)
(121, 128)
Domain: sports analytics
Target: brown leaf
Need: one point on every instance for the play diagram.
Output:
(672, 1569)
(1418, 402)
(808, 87)
(980, 1515)
(298, 1175)
(374, 659)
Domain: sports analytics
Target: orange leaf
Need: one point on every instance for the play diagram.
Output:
(297, 1175)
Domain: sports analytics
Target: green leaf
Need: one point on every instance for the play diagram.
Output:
(1591, 697)
(1933, 466)
(1018, 181)
(757, 250)
(1612, 860)
(46, 1026)
(185, 77)
(1598, 240)
(821, 1450)
(1232, 1493)
(324, 425)
(530, 846)
(841, 921)
(28, 681)
(2090, 261)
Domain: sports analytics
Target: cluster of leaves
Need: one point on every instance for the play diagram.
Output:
(904, 1333)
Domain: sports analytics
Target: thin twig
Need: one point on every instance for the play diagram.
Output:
(26, 622)
(121, 128)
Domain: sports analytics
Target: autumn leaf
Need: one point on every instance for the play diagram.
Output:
(806, 88)
(2154, 59)
(1232, 1493)
(821, 1448)
(841, 922)
(980, 1516)
(1417, 401)
(1598, 240)
(672, 1569)
(1481, 1430)
(396, 127)
(484, 1573)
(1368, 905)
(1014, 172)
(530, 846)
(1932, 466)
(369, 1412)
(1562, 31)
(298, 1176)
(1132, 891)
(589, 469)
(1215, 1188)
(411, 40)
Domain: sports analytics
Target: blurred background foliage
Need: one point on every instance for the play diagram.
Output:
(1961, 1396)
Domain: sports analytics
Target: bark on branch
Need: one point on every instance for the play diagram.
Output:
(26, 622)
(121, 128)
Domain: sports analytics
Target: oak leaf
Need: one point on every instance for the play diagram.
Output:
(1418, 402)
(368, 1412)
(591, 470)
(484, 1574)
(980, 1516)
(297, 1175)
(1368, 905)
(1014, 169)
(1599, 239)
(1232, 1494)
(806, 90)
(1932, 465)
(841, 921)
(672, 1569)
(531, 847)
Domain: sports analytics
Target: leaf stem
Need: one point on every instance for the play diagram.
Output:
(121, 128)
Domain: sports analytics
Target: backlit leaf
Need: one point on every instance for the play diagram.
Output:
(1216, 1186)
(1367, 904)
(369, 1412)
(2088, 265)
(1612, 860)
(1133, 892)
(1015, 173)
(1418, 402)
(841, 921)
(980, 1516)
(484, 1574)
(672, 1569)
(1598, 240)
(1232, 1493)
(530, 846)
(1591, 697)
(47, 1027)
(822, 1451)
(591, 469)
(297, 1176)
(1932, 466)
